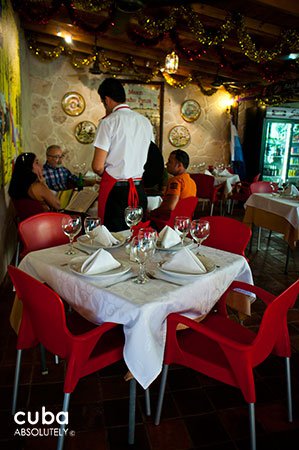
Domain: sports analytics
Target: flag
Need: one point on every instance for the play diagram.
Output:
(236, 151)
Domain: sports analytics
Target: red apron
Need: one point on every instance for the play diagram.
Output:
(106, 185)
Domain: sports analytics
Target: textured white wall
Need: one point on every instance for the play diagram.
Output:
(50, 81)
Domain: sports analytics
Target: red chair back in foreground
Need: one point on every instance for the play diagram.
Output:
(184, 207)
(227, 234)
(226, 351)
(44, 321)
(42, 231)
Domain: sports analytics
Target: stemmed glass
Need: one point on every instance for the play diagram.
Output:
(71, 226)
(182, 226)
(150, 235)
(90, 223)
(199, 230)
(140, 250)
(133, 217)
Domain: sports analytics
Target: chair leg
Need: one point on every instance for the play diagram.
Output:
(259, 238)
(289, 389)
(287, 260)
(132, 410)
(16, 381)
(212, 209)
(252, 426)
(56, 359)
(65, 408)
(161, 394)
(232, 207)
(17, 253)
(43, 360)
(147, 402)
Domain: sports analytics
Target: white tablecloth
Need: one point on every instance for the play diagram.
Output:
(142, 309)
(228, 182)
(284, 207)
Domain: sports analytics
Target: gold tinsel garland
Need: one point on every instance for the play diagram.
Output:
(177, 84)
(92, 6)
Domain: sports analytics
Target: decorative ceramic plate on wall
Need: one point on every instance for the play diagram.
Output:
(73, 104)
(179, 136)
(190, 110)
(85, 132)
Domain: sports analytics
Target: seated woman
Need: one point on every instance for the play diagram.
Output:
(27, 183)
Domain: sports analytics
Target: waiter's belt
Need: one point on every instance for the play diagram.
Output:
(126, 182)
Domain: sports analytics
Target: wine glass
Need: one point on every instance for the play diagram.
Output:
(71, 226)
(90, 223)
(151, 236)
(200, 230)
(182, 226)
(133, 215)
(140, 250)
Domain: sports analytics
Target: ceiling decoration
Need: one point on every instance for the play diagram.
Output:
(237, 50)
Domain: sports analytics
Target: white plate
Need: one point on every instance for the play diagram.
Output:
(76, 263)
(187, 243)
(209, 265)
(85, 242)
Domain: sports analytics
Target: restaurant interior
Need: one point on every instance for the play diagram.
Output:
(207, 75)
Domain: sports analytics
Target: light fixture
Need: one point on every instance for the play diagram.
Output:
(171, 63)
(68, 38)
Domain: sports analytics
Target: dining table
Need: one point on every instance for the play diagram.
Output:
(142, 309)
(275, 212)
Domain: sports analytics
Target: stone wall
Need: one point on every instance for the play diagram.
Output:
(50, 81)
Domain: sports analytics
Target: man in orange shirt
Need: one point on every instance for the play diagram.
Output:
(179, 186)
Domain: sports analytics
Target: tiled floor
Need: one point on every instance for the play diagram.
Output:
(198, 413)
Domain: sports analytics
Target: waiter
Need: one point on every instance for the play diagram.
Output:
(121, 145)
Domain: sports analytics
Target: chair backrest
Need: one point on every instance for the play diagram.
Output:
(43, 317)
(273, 332)
(227, 234)
(261, 187)
(26, 207)
(204, 185)
(256, 178)
(42, 231)
(184, 207)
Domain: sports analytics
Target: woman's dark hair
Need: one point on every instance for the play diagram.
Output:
(22, 176)
(181, 156)
(111, 87)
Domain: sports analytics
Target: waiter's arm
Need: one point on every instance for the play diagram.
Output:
(98, 162)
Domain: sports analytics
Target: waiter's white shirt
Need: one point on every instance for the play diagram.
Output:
(126, 136)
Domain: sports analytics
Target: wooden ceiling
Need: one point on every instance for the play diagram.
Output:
(135, 43)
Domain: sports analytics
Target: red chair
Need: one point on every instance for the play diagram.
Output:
(184, 207)
(42, 231)
(26, 207)
(226, 351)
(206, 191)
(85, 352)
(263, 187)
(227, 234)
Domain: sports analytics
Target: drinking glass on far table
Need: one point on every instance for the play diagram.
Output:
(71, 226)
(90, 223)
(199, 230)
(182, 225)
(133, 215)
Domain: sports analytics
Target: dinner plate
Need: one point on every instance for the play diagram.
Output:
(187, 243)
(76, 263)
(85, 242)
(207, 262)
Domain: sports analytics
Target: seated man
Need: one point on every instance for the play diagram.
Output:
(179, 186)
(58, 177)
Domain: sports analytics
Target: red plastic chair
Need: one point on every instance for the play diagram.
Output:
(42, 231)
(85, 352)
(26, 207)
(184, 207)
(228, 234)
(206, 191)
(226, 351)
(260, 187)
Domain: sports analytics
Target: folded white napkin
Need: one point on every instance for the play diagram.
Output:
(102, 236)
(225, 173)
(99, 262)
(207, 172)
(291, 190)
(185, 261)
(168, 237)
